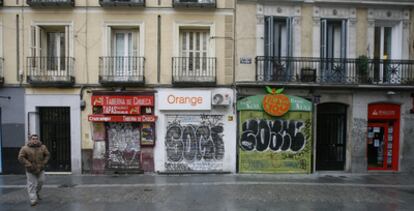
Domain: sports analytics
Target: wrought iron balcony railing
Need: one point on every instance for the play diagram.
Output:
(194, 70)
(334, 71)
(124, 3)
(51, 3)
(121, 70)
(1, 71)
(50, 70)
(194, 3)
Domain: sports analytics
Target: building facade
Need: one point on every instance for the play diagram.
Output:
(179, 86)
(351, 59)
(91, 74)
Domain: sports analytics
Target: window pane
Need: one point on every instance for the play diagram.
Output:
(387, 42)
(119, 44)
(191, 47)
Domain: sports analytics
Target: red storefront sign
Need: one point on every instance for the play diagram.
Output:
(121, 110)
(383, 111)
(118, 100)
(121, 118)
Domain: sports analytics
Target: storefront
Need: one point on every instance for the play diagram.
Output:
(198, 129)
(383, 136)
(123, 132)
(275, 134)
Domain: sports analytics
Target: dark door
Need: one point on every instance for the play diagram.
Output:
(55, 134)
(331, 137)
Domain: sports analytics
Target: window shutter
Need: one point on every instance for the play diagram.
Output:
(324, 42)
(269, 36)
(41, 41)
(33, 41)
(109, 38)
(343, 39)
(67, 41)
(289, 25)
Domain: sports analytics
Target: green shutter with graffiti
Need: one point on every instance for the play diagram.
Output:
(270, 144)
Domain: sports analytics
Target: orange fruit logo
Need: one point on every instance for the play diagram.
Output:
(276, 103)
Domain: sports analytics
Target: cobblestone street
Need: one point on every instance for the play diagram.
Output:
(214, 192)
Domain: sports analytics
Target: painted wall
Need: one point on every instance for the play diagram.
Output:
(65, 100)
(271, 144)
(88, 19)
(196, 141)
(12, 129)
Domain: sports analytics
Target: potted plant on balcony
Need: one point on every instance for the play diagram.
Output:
(362, 69)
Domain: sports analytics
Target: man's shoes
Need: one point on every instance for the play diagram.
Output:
(33, 203)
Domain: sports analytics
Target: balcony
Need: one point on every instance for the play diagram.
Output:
(337, 72)
(1, 71)
(122, 3)
(194, 3)
(50, 71)
(121, 70)
(51, 3)
(194, 70)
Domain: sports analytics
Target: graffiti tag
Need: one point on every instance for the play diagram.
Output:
(276, 135)
(194, 142)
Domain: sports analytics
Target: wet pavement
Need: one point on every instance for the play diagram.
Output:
(214, 192)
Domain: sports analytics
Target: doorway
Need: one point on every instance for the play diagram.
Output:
(55, 134)
(383, 136)
(331, 137)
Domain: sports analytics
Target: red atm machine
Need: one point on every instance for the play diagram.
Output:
(383, 136)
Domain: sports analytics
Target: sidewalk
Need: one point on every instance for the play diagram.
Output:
(393, 179)
(215, 192)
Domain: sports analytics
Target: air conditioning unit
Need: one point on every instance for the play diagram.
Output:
(220, 99)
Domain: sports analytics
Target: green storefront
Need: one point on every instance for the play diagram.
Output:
(274, 144)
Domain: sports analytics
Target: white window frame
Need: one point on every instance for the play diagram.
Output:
(69, 35)
(35, 45)
(194, 25)
(194, 70)
(107, 38)
(109, 29)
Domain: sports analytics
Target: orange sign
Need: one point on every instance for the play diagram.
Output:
(275, 103)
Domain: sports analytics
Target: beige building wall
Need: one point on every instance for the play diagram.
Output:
(88, 19)
(246, 40)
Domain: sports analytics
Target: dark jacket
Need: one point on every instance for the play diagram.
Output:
(34, 156)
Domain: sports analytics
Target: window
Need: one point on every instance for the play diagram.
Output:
(386, 48)
(194, 49)
(333, 38)
(333, 50)
(50, 47)
(278, 48)
(278, 37)
(121, 60)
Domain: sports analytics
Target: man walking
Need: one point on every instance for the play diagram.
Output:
(34, 156)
